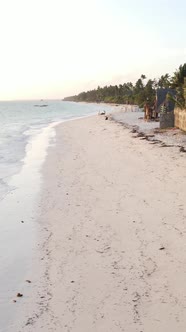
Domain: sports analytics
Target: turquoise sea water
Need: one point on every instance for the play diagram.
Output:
(21, 121)
(26, 131)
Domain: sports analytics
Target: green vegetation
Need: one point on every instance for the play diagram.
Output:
(137, 93)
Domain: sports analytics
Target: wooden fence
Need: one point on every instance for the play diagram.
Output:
(180, 118)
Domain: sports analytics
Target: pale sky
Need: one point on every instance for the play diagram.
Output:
(56, 48)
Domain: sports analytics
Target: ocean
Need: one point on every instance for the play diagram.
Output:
(27, 129)
(20, 122)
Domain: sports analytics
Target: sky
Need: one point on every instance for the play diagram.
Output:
(56, 48)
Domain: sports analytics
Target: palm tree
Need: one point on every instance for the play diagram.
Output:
(179, 75)
(178, 83)
(143, 77)
(164, 81)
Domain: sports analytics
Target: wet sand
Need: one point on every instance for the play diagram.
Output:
(112, 250)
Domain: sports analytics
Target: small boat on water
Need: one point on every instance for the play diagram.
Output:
(44, 105)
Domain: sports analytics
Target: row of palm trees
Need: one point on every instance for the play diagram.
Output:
(137, 93)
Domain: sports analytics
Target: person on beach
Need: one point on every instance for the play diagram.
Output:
(147, 110)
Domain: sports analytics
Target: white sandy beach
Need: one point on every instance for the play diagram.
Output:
(114, 258)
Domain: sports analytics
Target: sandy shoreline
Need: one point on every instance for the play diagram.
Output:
(112, 218)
